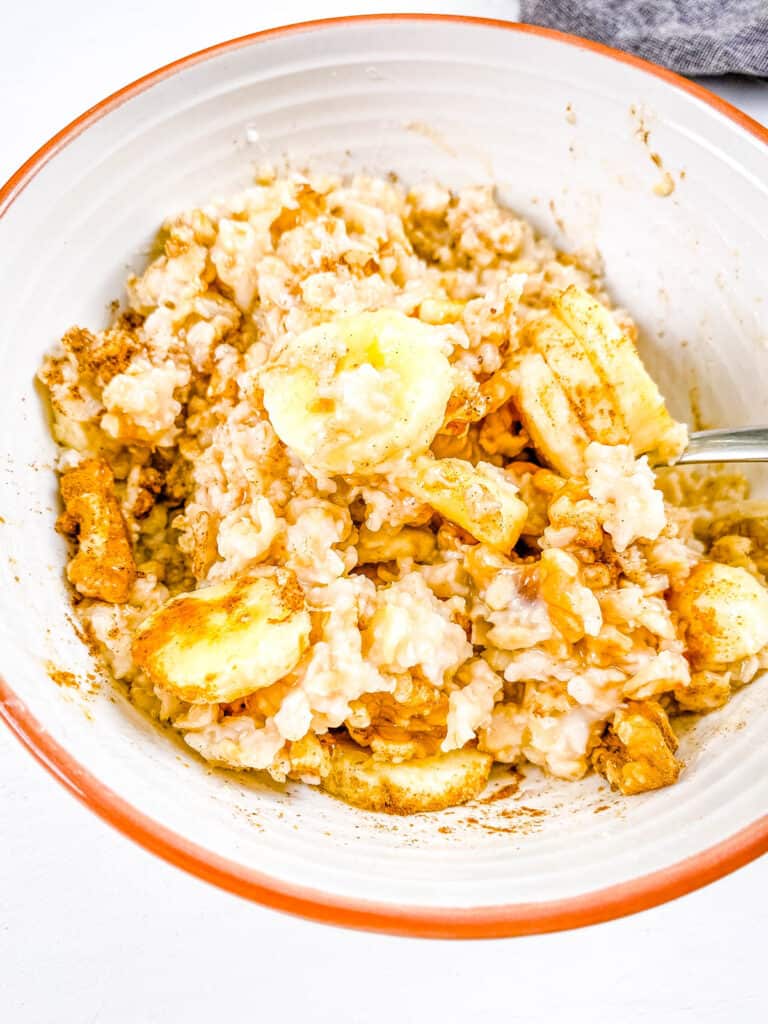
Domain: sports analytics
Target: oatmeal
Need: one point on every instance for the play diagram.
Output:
(362, 489)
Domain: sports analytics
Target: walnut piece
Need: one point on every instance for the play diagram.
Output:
(102, 355)
(309, 758)
(403, 725)
(501, 433)
(148, 484)
(572, 509)
(103, 566)
(637, 751)
(197, 539)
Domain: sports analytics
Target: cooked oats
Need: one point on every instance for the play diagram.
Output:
(357, 464)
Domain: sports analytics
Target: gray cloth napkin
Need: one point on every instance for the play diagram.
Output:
(694, 37)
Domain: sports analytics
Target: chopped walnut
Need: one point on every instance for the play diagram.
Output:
(466, 405)
(598, 576)
(310, 758)
(103, 566)
(387, 544)
(501, 433)
(102, 355)
(572, 509)
(197, 539)
(174, 472)
(409, 723)
(537, 488)
(145, 483)
(637, 751)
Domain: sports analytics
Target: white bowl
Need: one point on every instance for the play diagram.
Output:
(562, 126)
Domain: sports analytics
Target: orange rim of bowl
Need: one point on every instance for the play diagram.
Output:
(427, 922)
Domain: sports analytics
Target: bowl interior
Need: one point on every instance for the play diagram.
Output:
(596, 152)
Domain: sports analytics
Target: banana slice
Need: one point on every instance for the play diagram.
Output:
(350, 395)
(590, 396)
(223, 642)
(638, 400)
(548, 416)
(724, 614)
(480, 499)
(580, 379)
(424, 784)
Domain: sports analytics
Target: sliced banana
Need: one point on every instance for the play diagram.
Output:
(480, 499)
(425, 784)
(223, 642)
(352, 394)
(723, 611)
(651, 428)
(590, 396)
(548, 416)
(580, 379)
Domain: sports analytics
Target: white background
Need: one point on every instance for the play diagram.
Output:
(93, 929)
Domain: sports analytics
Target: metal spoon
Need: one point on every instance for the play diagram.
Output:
(746, 444)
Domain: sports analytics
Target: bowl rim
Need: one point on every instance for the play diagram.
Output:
(409, 920)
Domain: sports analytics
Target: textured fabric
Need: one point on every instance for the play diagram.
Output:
(694, 37)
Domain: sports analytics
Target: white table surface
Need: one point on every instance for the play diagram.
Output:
(94, 929)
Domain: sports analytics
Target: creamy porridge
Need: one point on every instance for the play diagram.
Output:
(361, 490)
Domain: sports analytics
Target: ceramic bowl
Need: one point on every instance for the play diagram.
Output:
(597, 148)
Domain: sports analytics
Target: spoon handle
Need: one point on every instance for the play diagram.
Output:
(746, 444)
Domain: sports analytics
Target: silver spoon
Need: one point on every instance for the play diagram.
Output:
(745, 444)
